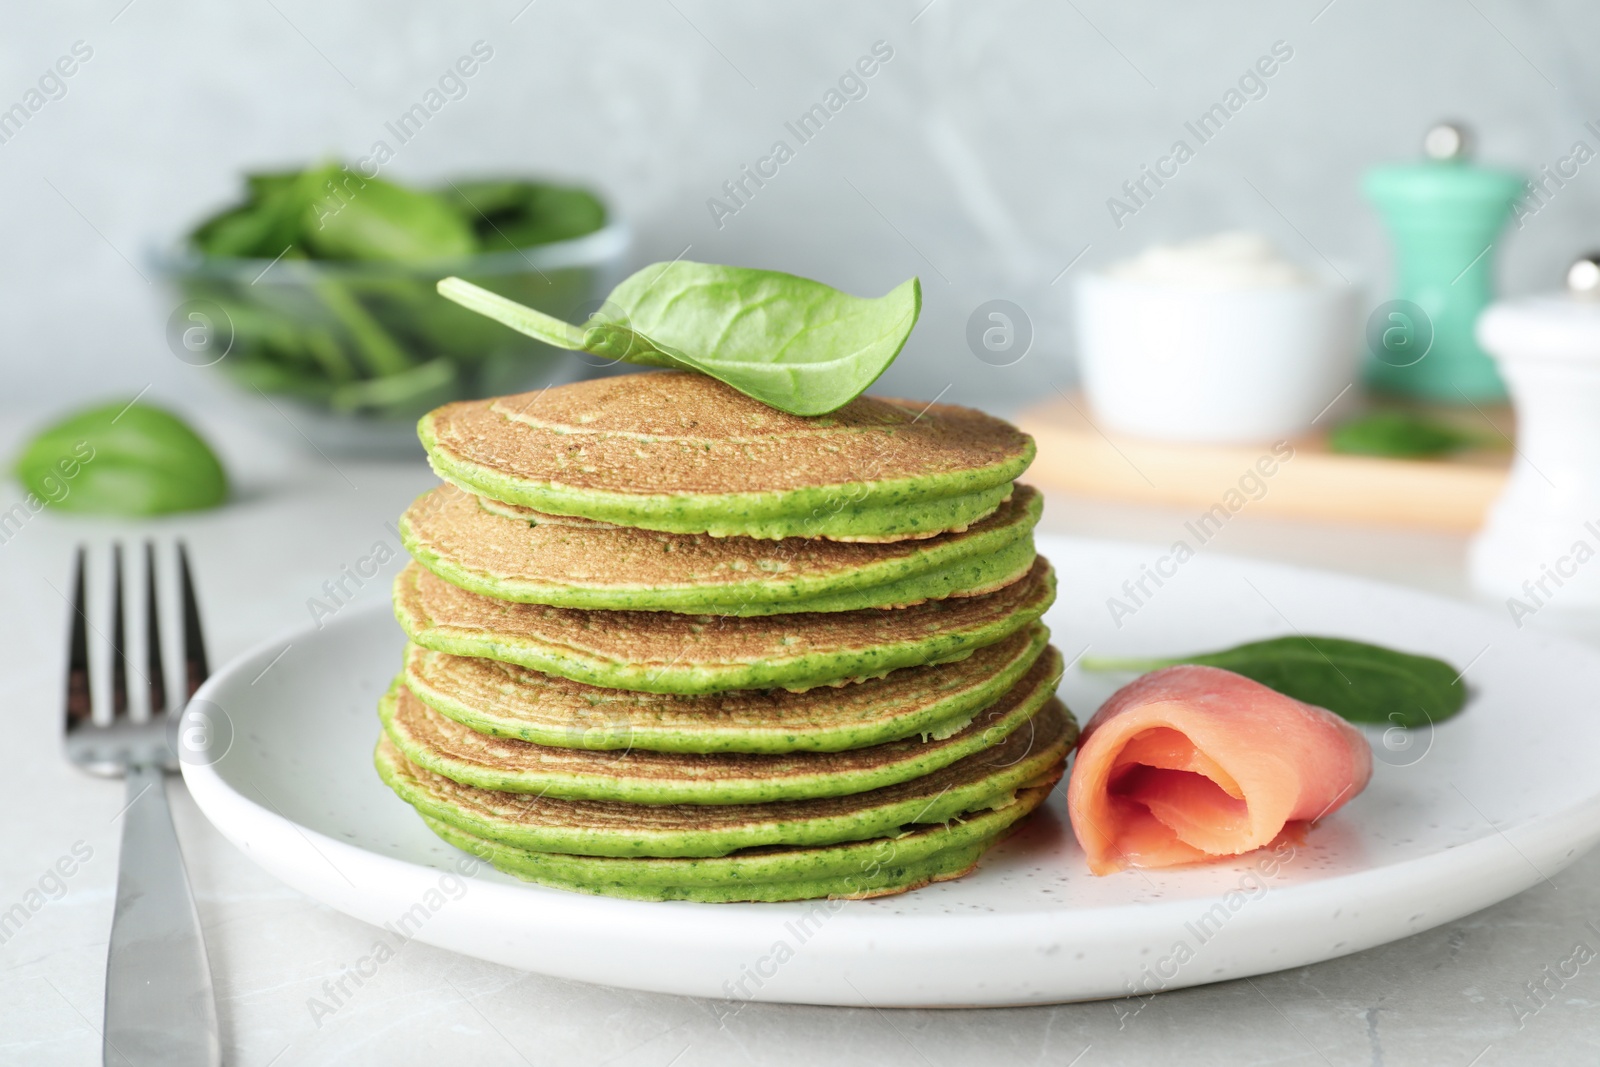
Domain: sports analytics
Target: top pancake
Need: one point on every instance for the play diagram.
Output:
(684, 453)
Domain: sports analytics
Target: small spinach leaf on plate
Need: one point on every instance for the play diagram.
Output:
(1360, 682)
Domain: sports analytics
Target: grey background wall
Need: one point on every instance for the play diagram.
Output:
(981, 156)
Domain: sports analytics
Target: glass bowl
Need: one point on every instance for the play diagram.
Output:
(348, 355)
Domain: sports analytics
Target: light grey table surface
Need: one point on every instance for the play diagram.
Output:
(1446, 996)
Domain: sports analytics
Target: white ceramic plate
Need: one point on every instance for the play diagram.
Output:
(1456, 818)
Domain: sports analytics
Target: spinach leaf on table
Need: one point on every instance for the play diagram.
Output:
(792, 343)
(125, 458)
(1357, 681)
(1399, 435)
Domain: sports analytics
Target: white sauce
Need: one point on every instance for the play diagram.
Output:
(1232, 260)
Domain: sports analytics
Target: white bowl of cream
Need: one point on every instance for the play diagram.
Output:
(1214, 340)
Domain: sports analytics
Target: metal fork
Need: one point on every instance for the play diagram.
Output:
(160, 1006)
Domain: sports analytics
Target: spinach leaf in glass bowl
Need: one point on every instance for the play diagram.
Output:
(322, 283)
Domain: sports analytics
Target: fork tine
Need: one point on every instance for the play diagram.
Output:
(194, 645)
(152, 628)
(119, 638)
(80, 709)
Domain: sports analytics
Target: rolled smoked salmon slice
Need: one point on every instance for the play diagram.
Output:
(1190, 763)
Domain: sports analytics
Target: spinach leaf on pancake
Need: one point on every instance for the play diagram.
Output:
(792, 343)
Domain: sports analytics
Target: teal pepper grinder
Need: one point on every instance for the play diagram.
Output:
(1444, 215)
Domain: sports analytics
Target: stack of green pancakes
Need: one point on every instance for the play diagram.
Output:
(668, 643)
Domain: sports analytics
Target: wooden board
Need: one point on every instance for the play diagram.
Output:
(1298, 478)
